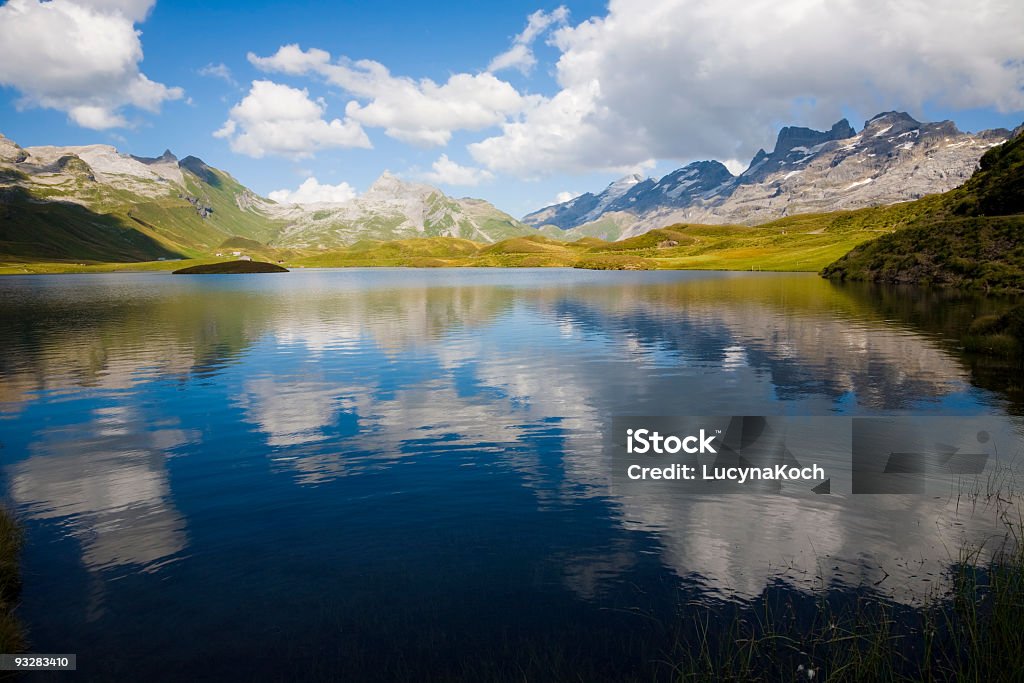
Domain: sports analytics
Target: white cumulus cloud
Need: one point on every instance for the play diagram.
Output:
(674, 79)
(81, 57)
(448, 172)
(279, 120)
(420, 112)
(571, 131)
(520, 55)
(312, 192)
(735, 166)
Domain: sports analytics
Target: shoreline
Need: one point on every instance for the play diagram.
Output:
(49, 268)
(12, 638)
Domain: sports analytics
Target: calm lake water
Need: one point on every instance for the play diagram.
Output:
(403, 473)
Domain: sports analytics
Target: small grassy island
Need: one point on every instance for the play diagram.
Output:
(232, 268)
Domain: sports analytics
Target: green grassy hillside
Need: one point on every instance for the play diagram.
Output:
(65, 231)
(44, 225)
(801, 243)
(804, 243)
(212, 210)
(971, 237)
(798, 243)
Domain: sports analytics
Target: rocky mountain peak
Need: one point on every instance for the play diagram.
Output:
(390, 186)
(890, 117)
(10, 151)
(198, 167)
(702, 168)
(698, 180)
(794, 147)
(894, 158)
(890, 123)
(386, 183)
(706, 174)
(625, 182)
(791, 137)
(842, 129)
(619, 188)
(759, 156)
(166, 158)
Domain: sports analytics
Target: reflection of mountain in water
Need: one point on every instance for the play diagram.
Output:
(805, 354)
(822, 341)
(341, 374)
(75, 337)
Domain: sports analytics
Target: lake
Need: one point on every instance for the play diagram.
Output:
(390, 473)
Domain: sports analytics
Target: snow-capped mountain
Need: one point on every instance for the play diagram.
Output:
(586, 207)
(893, 158)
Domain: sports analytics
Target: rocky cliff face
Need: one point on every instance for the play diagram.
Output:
(893, 158)
(10, 152)
(138, 175)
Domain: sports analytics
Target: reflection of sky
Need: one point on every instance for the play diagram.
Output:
(106, 480)
(161, 430)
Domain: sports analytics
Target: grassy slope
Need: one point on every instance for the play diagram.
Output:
(118, 227)
(219, 190)
(59, 230)
(496, 224)
(176, 222)
(799, 243)
(970, 237)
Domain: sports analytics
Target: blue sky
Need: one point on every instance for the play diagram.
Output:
(515, 102)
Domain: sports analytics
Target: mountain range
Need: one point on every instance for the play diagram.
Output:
(393, 209)
(894, 158)
(94, 203)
